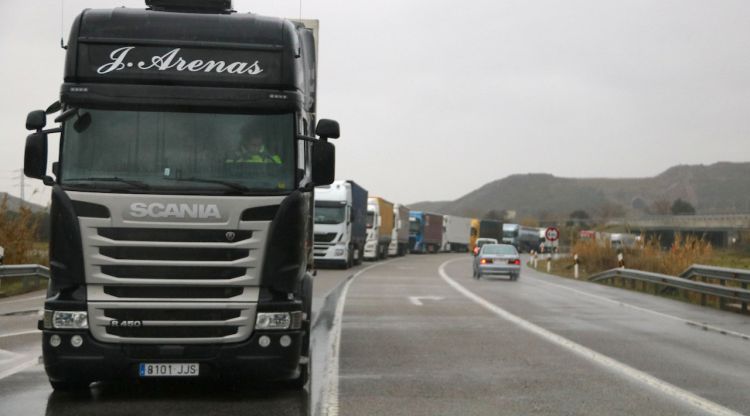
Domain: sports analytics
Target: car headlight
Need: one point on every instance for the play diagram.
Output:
(66, 319)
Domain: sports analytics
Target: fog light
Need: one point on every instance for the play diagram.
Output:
(76, 341)
(264, 341)
(339, 252)
(285, 341)
(55, 341)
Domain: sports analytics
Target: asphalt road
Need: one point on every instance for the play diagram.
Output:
(419, 336)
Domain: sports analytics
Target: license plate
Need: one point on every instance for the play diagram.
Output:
(168, 369)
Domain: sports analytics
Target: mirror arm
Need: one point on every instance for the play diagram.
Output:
(48, 180)
(52, 130)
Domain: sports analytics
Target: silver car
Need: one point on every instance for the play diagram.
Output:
(497, 259)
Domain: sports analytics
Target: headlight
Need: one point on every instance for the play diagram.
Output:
(278, 320)
(273, 320)
(67, 320)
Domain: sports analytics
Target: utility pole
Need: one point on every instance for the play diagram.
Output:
(22, 184)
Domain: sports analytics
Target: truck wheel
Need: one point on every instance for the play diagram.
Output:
(306, 290)
(349, 259)
(70, 386)
(357, 256)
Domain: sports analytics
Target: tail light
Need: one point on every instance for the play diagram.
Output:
(485, 261)
(517, 262)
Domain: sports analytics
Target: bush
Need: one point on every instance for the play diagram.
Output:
(647, 256)
(17, 235)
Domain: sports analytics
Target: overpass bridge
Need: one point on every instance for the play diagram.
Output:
(722, 230)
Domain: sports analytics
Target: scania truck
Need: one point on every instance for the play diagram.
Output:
(340, 229)
(379, 228)
(179, 247)
(399, 245)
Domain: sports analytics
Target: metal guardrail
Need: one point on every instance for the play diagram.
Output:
(721, 273)
(658, 279)
(30, 274)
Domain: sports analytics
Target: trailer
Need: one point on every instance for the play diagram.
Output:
(425, 232)
(399, 245)
(456, 233)
(380, 220)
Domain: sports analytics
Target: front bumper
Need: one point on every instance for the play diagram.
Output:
(330, 254)
(371, 249)
(98, 361)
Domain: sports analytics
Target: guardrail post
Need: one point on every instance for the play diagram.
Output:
(744, 304)
(575, 265)
(722, 301)
(549, 262)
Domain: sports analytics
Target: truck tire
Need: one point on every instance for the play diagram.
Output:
(349, 259)
(357, 255)
(70, 386)
(306, 291)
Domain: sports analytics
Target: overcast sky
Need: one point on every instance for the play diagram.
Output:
(436, 98)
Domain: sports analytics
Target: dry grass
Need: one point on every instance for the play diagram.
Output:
(17, 235)
(648, 256)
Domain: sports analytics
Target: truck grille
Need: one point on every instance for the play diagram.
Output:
(324, 238)
(172, 292)
(174, 272)
(196, 282)
(173, 332)
(157, 323)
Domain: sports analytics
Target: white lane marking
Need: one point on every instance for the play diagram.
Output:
(331, 396)
(8, 302)
(15, 334)
(20, 367)
(701, 325)
(417, 300)
(591, 355)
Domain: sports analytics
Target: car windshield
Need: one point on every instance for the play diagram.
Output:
(370, 219)
(173, 151)
(500, 249)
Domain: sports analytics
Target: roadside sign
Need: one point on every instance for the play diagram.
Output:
(552, 234)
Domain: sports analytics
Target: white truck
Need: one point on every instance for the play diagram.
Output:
(456, 233)
(339, 230)
(400, 235)
(379, 228)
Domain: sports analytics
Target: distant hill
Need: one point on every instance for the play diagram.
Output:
(14, 203)
(720, 188)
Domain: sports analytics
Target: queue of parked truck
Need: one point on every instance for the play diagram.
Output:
(351, 226)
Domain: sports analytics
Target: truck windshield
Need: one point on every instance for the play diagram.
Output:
(510, 234)
(370, 219)
(329, 215)
(180, 152)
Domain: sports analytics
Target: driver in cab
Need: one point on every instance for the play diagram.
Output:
(252, 150)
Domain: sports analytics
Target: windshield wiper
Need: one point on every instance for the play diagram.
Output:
(131, 182)
(234, 185)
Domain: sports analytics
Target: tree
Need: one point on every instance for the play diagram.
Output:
(495, 215)
(609, 210)
(681, 207)
(660, 207)
(579, 214)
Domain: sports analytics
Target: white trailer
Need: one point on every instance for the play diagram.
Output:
(456, 233)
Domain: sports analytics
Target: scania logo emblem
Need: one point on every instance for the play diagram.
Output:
(230, 235)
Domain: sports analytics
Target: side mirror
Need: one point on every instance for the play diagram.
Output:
(35, 157)
(323, 163)
(36, 120)
(327, 129)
